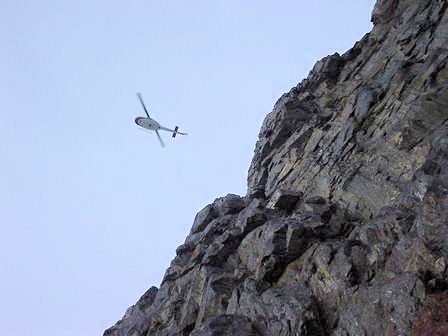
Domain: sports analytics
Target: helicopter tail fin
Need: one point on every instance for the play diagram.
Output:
(175, 131)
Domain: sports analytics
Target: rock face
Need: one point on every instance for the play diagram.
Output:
(344, 228)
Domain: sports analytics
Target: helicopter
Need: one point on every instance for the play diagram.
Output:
(147, 123)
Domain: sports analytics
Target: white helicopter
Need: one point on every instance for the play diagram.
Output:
(152, 125)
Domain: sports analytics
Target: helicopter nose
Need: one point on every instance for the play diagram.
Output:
(137, 120)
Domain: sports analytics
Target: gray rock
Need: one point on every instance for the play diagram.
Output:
(229, 204)
(265, 250)
(284, 200)
(203, 218)
(358, 145)
(226, 325)
(343, 230)
(134, 321)
(386, 308)
(281, 311)
(252, 216)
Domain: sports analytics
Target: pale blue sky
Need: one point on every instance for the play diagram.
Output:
(91, 209)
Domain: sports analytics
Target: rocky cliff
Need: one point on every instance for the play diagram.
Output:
(344, 228)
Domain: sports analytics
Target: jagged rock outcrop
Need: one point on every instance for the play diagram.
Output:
(344, 228)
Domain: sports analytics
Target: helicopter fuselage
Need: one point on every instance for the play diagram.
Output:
(148, 123)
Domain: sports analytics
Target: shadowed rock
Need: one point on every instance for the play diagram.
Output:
(226, 325)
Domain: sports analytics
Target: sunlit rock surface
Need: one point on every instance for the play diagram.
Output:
(344, 228)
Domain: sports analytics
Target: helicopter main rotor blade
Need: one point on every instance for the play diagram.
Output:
(144, 130)
(143, 104)
(160, 139)
(157, 133)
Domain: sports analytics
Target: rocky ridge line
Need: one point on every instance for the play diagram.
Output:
(344, 228)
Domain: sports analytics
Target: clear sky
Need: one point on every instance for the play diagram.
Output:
(92, 209)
